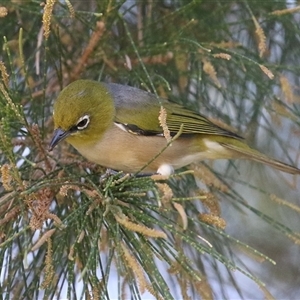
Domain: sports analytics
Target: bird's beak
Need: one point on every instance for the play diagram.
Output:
(58, 136)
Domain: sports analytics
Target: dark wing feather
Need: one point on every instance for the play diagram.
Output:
(138, 111)
(195, 123)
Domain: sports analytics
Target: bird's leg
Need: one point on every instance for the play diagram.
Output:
(141, 175)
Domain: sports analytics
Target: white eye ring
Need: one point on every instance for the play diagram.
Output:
(83, 122)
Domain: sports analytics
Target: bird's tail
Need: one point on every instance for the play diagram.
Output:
(252, 154)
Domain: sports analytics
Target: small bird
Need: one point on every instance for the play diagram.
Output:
(117, 126)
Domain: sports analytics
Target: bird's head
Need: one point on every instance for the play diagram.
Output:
(82, 113)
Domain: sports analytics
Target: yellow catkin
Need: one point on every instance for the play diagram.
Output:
(3, 11)
(184, 285)
(182, 214)
(123, 220)
(71, 253)
(285, 11)
(71, 9)
(222, 55)
(124, 295)
(81, 236)
(286, 89)
(166, 191)
(6, 177)
(49, 269)
(43, 239)
(204, 289)
(213, 220)
(209, 178)
(12, 214)
(211, 203)
(63, 191)
(163, 123)
(4, 75)
(96, 203)
(47, 17)
(56, 219)
(209, 69)
(261, 37)
(153, 291)
(285, 203)
(96, 290)
(136, 269)
(11, 103)
(175, 268)
(267, 71)
(39, 203)
(104, 241)
(281, 110)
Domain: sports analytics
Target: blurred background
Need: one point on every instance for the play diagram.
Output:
(66, 234)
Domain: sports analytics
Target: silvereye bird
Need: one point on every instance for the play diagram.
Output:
(117, 126)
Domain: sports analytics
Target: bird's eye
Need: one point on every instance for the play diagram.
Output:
(83, 122)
